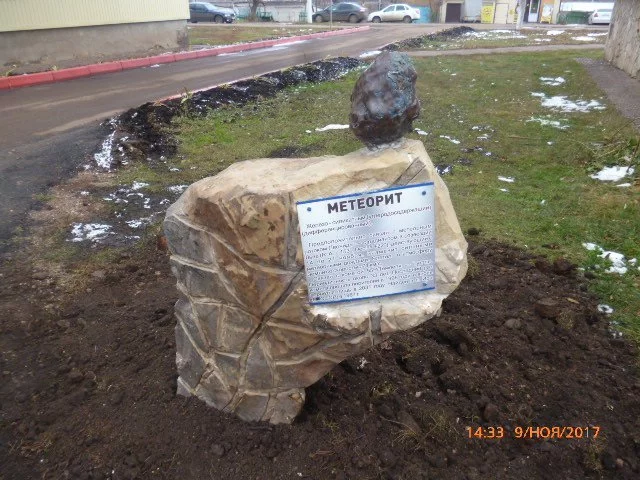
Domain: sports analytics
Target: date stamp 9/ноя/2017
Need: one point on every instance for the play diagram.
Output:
(533, 432)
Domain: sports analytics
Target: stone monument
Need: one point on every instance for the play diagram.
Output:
(248, 338)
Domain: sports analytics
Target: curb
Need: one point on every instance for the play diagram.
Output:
(30, 79)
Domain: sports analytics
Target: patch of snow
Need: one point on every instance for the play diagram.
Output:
(554, 82)
(177, 188)
(421, 132)
(541, 39)
(104, 158)
(307, 131)
(597, 34)
(139, 222)
(488, 154)
(613, 174)
(174, 169)
(563, 104)
(618, 262)
(363, 362)
(138, 185)
(623, 185)
(494, 34)
(583, 39)
(155, 65)
(452, 140)
(543, 202)
(370, 54)
(444, 169)
(504, 190)
(506, 179)
(84, 193)
(332, 126)
(545, 122)
(483, 137)
(555, 32)
(602, 308)
(89, 231)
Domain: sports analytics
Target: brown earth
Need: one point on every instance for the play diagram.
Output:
(88, 386)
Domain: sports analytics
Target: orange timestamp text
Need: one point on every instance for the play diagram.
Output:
(533, 432)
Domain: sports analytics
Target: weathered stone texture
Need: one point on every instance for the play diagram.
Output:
(623, 44)
(248, 341)
(384, 101)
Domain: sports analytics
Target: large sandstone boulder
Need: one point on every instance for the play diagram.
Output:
(248, 341)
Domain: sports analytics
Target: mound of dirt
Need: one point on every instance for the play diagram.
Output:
(88, 387)
(418, 42)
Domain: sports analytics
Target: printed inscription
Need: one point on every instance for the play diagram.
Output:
(369, 244)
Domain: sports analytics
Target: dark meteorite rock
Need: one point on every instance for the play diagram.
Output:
(384, 102)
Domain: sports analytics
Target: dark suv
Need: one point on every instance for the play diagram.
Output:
(206, 12)
(342, 12)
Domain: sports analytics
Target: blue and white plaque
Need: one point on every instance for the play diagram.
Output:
(369, 244)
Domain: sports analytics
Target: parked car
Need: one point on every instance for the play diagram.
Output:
(398, 12)
(341, 12)
(600, 15)
(207, 12)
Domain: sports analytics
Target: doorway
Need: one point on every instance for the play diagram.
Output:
(453, 13)
(533, 11)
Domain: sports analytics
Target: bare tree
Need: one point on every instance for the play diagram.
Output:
(255, 4)
(522, 5)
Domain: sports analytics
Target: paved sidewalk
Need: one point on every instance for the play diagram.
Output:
(621, 89)
(486, 51)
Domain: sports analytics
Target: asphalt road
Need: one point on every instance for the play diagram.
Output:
(47, 131)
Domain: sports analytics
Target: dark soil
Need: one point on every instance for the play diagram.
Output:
(417, 42)
(88, 386)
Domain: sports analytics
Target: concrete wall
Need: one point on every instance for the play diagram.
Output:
(16, 15)
(90, 43)
(623, 44)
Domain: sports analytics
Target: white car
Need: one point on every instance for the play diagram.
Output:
(601, 15)
(398, 12)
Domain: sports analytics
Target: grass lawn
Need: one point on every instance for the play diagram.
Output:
(511, 38)
(229, 34)
(479, 116)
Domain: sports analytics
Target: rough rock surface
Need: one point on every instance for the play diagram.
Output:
(247, 339)
(384, 102)
(623, 44)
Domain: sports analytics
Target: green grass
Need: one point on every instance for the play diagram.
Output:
(552, 201)
(229, 34)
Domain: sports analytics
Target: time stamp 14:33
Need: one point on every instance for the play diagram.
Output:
(533, 432)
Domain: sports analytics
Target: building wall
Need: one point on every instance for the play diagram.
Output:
(623, 44)
(499, 11)
(51, 31)
(22, 15)
(91, 44)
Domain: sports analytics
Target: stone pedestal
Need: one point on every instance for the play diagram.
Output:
(247, 339)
